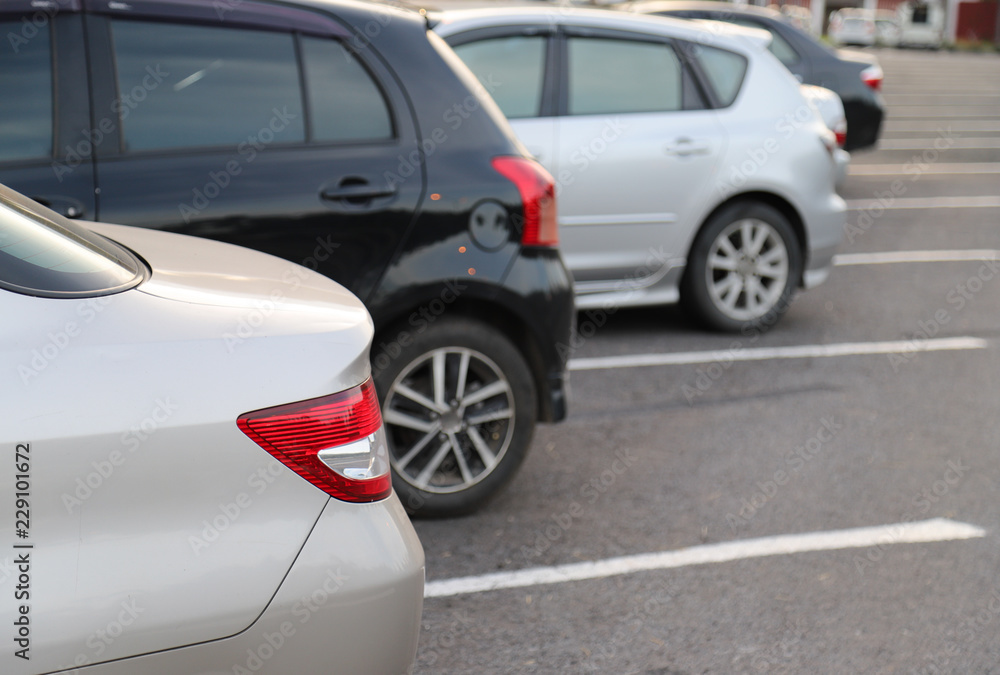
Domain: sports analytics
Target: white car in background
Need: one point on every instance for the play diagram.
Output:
(852, 27)
(831, 110)
(689, 164)
(195, 469)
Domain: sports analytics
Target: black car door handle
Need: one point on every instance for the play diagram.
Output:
(358, 192)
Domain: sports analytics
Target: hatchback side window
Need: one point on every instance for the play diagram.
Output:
(183, 86)
(345, 103)
(511, 69)
(609, 76)
(724, 70)
(26, 80)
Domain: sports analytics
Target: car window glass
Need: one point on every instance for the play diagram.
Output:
(38, 258)
(622, 76)
(195, 86)
(724, 70)
(779, 46)
(345, 104)
(25, 117)
(511, 69)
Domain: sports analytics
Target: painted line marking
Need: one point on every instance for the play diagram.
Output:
(769, 353)
(984, 202)
(932, 169)
(888, 257)
(929, 144)
(927, 531)
(895, 126)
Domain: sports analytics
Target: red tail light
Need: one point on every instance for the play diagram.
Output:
(335, 442)
(538, 194)
(872, 76)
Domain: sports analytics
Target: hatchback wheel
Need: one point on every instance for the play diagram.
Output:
(459, 408)
(743, 267)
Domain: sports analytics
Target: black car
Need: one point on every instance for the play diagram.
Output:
(856, 77)
(342, 136)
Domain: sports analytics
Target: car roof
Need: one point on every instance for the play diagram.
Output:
(646, 6)
(450, 22)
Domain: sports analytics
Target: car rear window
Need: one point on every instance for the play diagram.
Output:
(725, 72)
(41, 256)
(26, 80)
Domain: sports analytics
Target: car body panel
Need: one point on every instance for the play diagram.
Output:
(155, 522)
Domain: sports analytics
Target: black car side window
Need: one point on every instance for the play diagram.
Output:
(779, 46)
(609, 76)
(26, 83)
(184, 86)
(345, 103)
(511, 68)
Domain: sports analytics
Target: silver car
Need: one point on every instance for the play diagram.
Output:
(194, 475)
(688, 162)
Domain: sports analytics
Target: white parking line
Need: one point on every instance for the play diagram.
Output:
(931, 169)
(936, 530)
(888, 257)
(769, 353)
(984, 202)
(991, 143)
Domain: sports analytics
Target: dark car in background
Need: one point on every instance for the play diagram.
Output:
(341, 136)
(855, 76)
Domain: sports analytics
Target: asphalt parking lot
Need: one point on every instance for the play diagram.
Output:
(864, 422)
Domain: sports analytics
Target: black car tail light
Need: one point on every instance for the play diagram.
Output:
(335, 442)
(538, 194)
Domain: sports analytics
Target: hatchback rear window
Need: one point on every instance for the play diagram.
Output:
(725, 72)
(42, 257)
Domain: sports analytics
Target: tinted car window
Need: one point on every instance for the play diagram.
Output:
(26, 83)
(725, 71)
(44, 258)
(622, 76)
(511, 69)
(779, 46)
(345, 104)
(191, 86)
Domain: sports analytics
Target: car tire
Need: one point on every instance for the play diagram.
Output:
(743, 268)
(459, 407)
